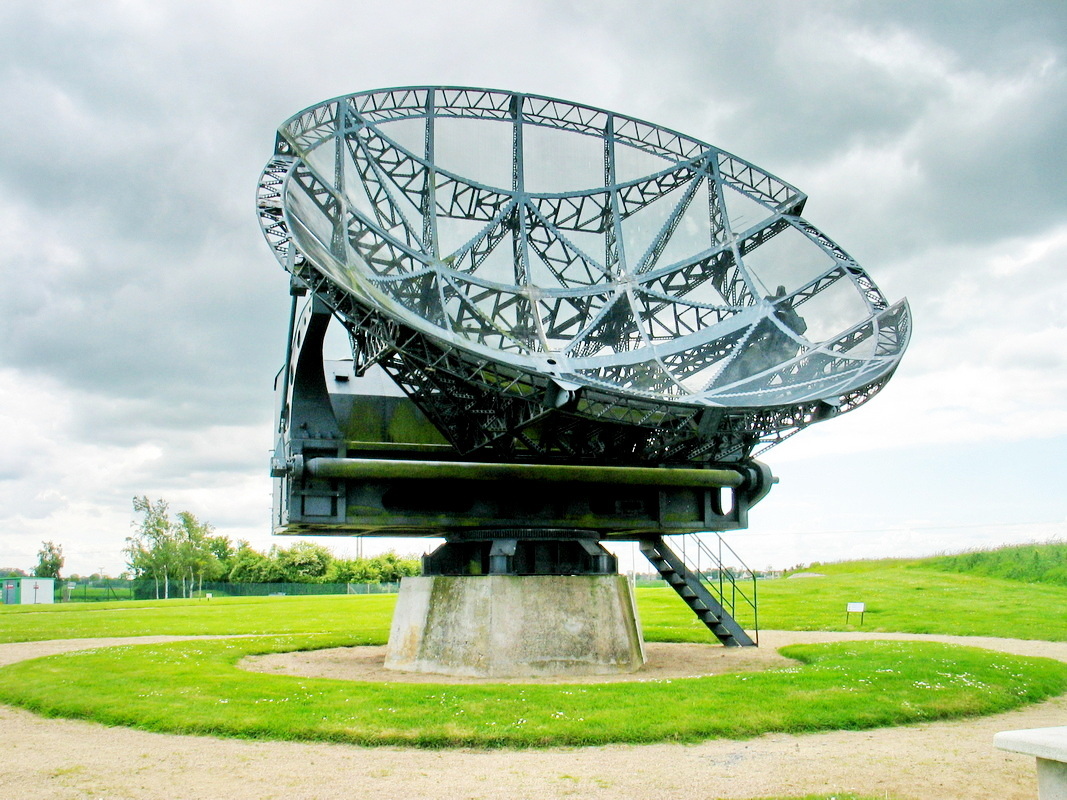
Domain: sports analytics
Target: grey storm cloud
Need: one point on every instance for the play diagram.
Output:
(973, 97)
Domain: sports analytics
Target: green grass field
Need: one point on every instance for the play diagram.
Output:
(218, 616)
(901, 596)
(197, 687)
(1032, 563)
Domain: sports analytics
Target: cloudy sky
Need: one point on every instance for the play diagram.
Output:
(142, 316)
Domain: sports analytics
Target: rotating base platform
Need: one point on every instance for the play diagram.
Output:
(510, 626)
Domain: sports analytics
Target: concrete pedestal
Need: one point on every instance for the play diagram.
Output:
(498, 626)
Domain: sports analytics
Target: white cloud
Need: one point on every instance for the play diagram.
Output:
(58, 484)
(988, 357)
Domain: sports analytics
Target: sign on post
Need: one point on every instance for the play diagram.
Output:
(855, 608)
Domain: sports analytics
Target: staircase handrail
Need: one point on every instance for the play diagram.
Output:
(716, 583)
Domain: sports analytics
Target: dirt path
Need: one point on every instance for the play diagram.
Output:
(937, 761)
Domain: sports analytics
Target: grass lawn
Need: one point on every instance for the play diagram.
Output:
(901, 596)
(218, 616)
(196, 687)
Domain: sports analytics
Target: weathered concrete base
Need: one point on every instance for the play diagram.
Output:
(498, 626)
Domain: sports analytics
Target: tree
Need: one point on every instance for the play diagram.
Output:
(152, 550)
(49, 560)
(185, 549)
(353, 570)
(304, 562)
(222, 548)
(393, 567)
(385, 568)
(251, 566)
(195, 557)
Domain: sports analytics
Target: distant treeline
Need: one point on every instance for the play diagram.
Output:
(1033, 563)
(187, 553)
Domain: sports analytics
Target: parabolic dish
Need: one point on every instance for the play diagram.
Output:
(509, 255)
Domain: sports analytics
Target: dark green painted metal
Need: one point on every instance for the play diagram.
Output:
(392, 469)
(709, 608)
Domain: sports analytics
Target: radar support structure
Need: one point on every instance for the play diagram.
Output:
(353, 461)
(569, 327)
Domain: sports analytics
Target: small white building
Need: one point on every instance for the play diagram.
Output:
(28, 591)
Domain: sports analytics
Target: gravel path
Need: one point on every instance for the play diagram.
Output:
(936, 761)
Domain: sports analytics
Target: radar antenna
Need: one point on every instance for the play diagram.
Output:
(567, 326)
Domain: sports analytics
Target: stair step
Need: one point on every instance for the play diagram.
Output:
(697, 590)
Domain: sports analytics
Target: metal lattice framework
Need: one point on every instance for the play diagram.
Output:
(554, 281)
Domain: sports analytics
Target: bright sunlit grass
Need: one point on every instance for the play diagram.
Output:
(219, 616)
(196, 687)
(1032, 563)
(904, 597)
(901, 596)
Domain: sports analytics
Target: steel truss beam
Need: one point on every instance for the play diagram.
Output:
(676, 310)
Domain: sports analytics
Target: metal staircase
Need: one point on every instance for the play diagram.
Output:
(712, 590)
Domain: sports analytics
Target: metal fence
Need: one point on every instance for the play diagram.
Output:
(115, 589)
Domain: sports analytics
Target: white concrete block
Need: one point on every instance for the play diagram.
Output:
(1049, 747)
